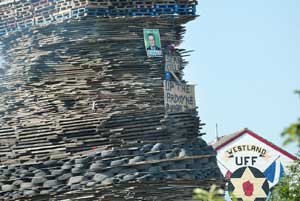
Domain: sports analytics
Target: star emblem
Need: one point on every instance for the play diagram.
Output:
(248, 184)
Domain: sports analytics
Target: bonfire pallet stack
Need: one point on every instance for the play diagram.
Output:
(82, 112)
(16, 15)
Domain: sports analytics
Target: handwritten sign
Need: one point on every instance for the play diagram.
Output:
(173, 63)
(179, 97)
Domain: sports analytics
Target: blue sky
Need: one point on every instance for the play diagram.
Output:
(246, 65)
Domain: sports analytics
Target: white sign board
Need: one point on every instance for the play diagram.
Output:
(257, 158)
(179, 97)
(173, 63)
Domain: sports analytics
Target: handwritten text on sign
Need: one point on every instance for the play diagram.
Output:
(173, 63)
(179, 97)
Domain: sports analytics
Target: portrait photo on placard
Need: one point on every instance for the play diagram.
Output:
(152, 42)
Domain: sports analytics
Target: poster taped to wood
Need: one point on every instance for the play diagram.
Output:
(152, 42)
(179, 97)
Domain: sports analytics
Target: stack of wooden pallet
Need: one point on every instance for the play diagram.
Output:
(82, 115)
(23, 14)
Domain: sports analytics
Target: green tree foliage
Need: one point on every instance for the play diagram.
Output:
(288, 188)
(213, 194)
(292, 133)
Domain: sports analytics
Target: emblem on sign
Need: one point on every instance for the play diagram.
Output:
(249, 184)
